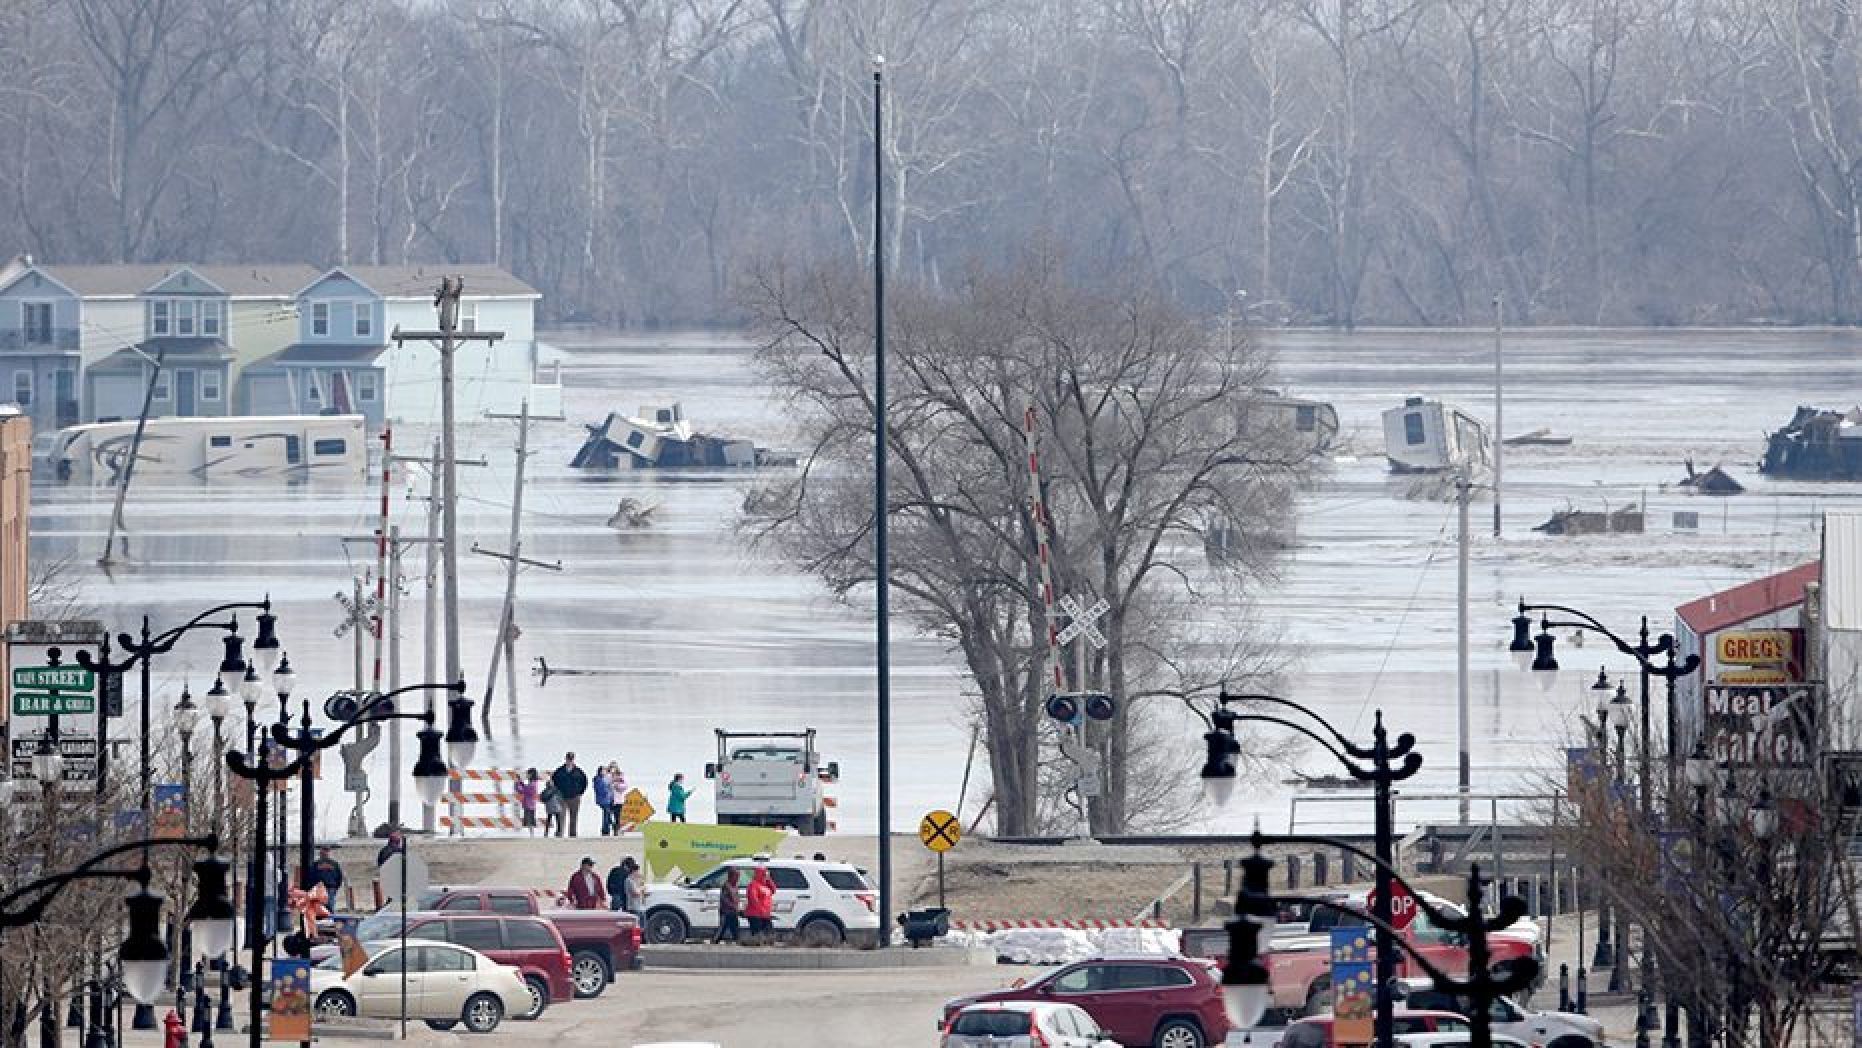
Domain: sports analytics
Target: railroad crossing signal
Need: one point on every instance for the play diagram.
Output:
(940, 831)
(1082, 620)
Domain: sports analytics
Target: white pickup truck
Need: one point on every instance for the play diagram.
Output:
(772, 779)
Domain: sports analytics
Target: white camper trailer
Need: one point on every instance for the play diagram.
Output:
(235, 447)
(1428, 436)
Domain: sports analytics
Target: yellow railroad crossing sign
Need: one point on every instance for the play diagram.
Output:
(635, 807)
(939, 831)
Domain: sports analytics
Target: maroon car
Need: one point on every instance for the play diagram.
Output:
(601, 942)
(1165, 1002)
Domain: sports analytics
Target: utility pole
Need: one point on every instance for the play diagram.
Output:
(1464, 775)
(882, 565)
(447, 339)
(1499, 437)
(392, 635)
(504, 645)
(129, 464)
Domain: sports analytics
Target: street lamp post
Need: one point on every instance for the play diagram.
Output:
(219, 704)
(186, 715)
(1218, 777)
(266, 766)
(1245, 991)
(1644, 651)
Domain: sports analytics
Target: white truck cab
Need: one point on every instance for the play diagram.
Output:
(772, 779)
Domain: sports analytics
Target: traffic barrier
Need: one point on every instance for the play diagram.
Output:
(457, 821)
(1059, 923)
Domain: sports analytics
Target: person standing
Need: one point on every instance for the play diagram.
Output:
(327, 872)
(604, 799)
(527, 790)
(571, 783)
(636, 886)
(617, 884)
(727, 907)
(676, 793)
(617, 790)
(760, 906)
(585, 889)
(397, 845)
(552, 809)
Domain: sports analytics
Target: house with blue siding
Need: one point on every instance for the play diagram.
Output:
(39, 354)
(334, 365)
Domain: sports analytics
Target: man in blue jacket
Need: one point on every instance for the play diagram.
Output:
(604, 799)
(571, 783)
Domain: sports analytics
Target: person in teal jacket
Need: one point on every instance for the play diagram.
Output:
(676, 794)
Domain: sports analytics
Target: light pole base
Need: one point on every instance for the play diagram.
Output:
(144, 1018)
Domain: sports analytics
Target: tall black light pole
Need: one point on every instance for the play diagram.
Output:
(186, 715)
(882, 561)
(1245, 990)
(1644, 651)
(1218, 776)
(219, 704)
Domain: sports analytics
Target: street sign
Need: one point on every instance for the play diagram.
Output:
(46, 678)
(1403, 908)
(392, 876)
(940, 831)
(80, 753)
(635, 807)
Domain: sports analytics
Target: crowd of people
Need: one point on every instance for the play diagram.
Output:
(625, 889)
(559, 796)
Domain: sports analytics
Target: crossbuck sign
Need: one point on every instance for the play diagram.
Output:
(1081, 621)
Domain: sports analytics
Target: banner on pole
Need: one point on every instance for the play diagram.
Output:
(1352, 978)
(170, 811)
(290, 1019)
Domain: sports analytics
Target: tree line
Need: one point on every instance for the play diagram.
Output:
(1337, 162)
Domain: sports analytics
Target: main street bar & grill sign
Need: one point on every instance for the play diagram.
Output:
(44, 678)
(1761, 725)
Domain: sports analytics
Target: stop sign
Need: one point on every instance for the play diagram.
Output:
(1402, 905)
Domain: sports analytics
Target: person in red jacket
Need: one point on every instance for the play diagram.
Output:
(585, 890)
(760, 905)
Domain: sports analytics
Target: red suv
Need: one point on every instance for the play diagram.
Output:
(530, 944)
(1166, 1002)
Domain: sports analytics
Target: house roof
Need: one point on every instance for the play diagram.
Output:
(325, 353)
(481, 280)
(265, 281)
(1747, 601)
(174, 351)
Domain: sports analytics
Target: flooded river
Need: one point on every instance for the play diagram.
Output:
(690, 631)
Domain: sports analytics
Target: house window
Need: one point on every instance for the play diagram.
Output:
(22, 388)
(210, 385)
(38, 323)
(468, 316)
(158, 317)
(184, 317)
(365, 320)
(320, 318)
(210, 318)
(161, 386)
(366, 387)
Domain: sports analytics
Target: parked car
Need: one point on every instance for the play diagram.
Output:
(1452, 1040)
(1024, 1024)
(600, 942)
(1536, 1029)
(821, 903)
(1315, 1031)
(1300, 969)
(532, 945)
(446, 985)
(1159, 1001)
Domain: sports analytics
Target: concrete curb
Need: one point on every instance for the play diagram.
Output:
(804, 959)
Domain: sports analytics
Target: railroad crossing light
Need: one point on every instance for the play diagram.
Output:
(1063, 708)
(1100, 707)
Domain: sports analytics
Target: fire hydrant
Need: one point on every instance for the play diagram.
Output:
(174, 1031)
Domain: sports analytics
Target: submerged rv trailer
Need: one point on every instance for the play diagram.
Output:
(234, 447)
(1428, 436)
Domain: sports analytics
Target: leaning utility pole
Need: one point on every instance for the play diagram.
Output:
(447, 339)
(1499, 438)
(504, 645)
(129, 464)
(1464, 775)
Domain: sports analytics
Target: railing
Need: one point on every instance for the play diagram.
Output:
(52, 340)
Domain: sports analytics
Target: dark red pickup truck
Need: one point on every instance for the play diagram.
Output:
(600, 942)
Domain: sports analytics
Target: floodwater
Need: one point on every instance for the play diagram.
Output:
(681, 629)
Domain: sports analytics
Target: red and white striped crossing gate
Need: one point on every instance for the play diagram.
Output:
(471, 788)
(1057, 923)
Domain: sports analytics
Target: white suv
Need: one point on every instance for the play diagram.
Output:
(820, 903)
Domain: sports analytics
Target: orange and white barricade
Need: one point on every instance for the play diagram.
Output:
(478, 788)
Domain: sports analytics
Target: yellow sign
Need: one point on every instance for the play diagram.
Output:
(939, 830)
(1754, 648)
(695, 848)
(635, 807)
